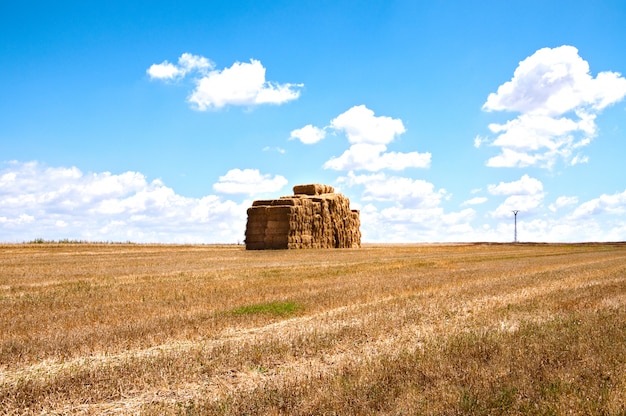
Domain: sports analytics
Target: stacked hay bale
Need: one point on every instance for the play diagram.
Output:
(314, 217)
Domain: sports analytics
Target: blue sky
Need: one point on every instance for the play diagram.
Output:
(154, 121)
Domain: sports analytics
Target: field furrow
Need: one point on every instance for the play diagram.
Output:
(432, 329)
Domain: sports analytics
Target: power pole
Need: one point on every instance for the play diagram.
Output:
(515, 235)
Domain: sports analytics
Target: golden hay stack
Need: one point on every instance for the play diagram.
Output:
(314, 217)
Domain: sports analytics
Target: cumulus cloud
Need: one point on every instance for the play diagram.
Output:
(308, 134)
(406, 225)
(368, 136)
(374, 158)
(605, 204)
(555, 81)
(558, 101)
(562, 202)
(248, 181)
(242, 84)
(566, 229)
(37, 201)
(525, 186)
(361, 126)
(525, 195)
(527, 205)
(186, 63)
(401, 209)
(406, 192)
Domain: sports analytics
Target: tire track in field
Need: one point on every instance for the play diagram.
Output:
(327, 362)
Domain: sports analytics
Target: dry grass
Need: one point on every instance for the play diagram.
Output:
(422, 329)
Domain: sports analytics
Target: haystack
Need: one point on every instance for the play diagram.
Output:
(314, 217)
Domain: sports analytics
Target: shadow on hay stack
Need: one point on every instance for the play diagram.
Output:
(314, 217)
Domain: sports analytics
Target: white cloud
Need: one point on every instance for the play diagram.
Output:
(525, 195)
(527, 205)
(406, 225)
(534, 132)
(572, 228)
(242, 84)
(373, 158)
(401, 209)
(361, 126)
(362, 156)
(17, 220)
(275, 149)
(555, 81)
(369, 136)
(510, 158)
(186, 63)
(164, 70)
(539, 140)
(605, 204)
(525, 186)
(578, 159)
(558, 101)
(58, 202)
(562, 202)
(475, 201)
(308, 134)
(406, 192)
(401, 191)
(63, 202)
(248, 181)
(479, 140)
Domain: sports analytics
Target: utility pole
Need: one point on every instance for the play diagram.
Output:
(515, 235)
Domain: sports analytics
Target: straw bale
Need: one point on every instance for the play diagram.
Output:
(256, 240)
(256, 224)
(255, 237)
(313, 189)
(286, 200)
(315, 217)
(255, 245)
(258, 210)
(277, 230)
(276, 242)
(262, 202)
(281, 211)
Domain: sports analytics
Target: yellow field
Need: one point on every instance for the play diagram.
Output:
(390, 329)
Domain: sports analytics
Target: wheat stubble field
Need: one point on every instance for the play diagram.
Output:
(389, 329)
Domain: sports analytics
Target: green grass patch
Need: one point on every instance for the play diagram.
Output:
(271, 308)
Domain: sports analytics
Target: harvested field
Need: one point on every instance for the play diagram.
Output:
(388, 329)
